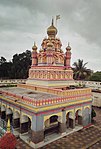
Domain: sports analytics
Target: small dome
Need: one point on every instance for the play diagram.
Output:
(68, 48)
(52, 30)
(8, 140)
(34, 47)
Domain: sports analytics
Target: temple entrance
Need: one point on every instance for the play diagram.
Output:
(78, 118)
(51, 125)
(69, 120)
(25, 124)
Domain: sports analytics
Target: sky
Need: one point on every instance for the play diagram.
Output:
(24, 21)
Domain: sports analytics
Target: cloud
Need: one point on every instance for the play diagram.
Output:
(22, 22)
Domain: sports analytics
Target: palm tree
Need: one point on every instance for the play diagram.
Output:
(80, 71)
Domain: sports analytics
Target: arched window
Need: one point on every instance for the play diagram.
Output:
(53, 119)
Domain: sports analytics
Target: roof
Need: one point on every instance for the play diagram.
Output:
(29, 93)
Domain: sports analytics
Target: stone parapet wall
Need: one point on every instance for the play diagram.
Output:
(96, 91)
(91, 84)
(96, 99)
(12, 81)
(66, 96)
(69, 92)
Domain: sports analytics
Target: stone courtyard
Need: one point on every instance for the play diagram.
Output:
(88, 138)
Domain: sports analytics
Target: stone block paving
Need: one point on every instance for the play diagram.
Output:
(96, 145)
(78, 140)
(22, 145)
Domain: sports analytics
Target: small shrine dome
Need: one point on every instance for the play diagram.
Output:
(8, 141)
(34, 47)
(52, 30)
(68, 48)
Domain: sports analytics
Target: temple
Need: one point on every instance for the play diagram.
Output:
(50, 102)
(51, 66)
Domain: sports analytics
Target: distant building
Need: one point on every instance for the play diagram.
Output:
(49, 102)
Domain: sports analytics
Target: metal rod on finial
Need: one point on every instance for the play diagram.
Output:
(34, 43)
(52, 20)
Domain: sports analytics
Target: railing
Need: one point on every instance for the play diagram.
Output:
(91, 84)
(12, 81)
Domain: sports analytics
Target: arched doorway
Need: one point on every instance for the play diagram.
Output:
(70, 120)
(51, 125)
(25, 124)
(78, 117)
(16, 120)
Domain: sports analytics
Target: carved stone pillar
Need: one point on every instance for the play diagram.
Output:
(16, 123)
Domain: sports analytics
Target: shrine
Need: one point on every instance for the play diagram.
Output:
(50, 102)
(51, 66)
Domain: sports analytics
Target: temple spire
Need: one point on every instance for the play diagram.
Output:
(34, 47)
(52, 30)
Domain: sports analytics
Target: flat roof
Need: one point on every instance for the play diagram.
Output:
(38, 95)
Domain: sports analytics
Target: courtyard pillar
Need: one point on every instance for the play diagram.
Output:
(24, 127)
(71, 123)
(62, 124)
(80, 119)
(16, 123)
(37, 135)
(86, 117)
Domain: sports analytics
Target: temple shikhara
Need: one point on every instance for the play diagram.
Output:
(51, 66)
(50, 103)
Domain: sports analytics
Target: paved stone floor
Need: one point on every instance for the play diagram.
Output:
(88, 138)
(22, 145)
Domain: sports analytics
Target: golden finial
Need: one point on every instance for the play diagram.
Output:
(8, 125)
(34, 46)
(68, 48)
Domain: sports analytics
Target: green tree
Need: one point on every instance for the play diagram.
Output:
(2, 60)
(80, 71)
(96, 76)
(5, 68)
(18, 68)
(21, 65)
